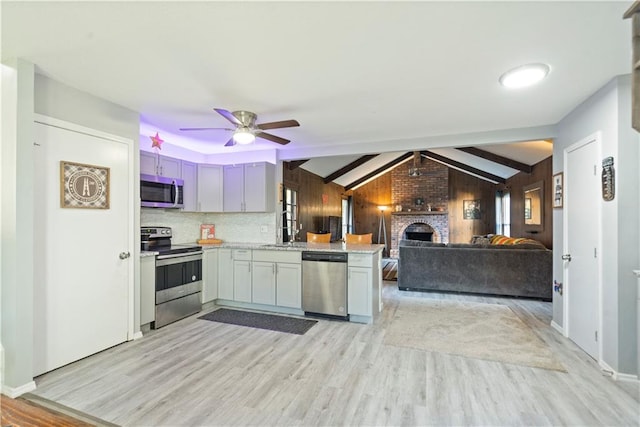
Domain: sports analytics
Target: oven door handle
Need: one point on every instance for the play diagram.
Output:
(186, 257)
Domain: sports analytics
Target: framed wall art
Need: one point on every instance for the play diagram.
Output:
(471, 209)
(83, 186)
(558, 190)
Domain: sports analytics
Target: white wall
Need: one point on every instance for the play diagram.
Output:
(608, 111)
(17, 225)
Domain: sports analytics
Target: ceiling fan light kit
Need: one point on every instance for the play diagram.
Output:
(523, 76)
(247, 130)
(243, 136)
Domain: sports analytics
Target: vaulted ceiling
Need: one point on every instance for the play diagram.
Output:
(362, 78)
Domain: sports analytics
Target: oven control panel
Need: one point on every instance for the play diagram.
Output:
(155, 232)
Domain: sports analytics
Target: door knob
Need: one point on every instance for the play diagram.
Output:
(124, 255)
(566, 257)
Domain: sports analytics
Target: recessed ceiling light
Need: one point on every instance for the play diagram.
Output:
(525, 75)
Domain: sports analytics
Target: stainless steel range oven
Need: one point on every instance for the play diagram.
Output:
(178, 276)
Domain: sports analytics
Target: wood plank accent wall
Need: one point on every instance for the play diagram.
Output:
(462, 187)
(541, 171)
(310, 188)
(366, 199)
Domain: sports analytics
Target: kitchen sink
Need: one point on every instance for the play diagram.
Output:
(285, 245)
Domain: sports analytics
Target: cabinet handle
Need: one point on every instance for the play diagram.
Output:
(273, 269)
(249, 265)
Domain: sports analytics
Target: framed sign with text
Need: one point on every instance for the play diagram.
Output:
(83, 186)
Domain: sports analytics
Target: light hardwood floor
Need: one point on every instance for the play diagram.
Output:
(196, 373)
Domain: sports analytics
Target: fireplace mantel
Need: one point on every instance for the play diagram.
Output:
(418, 213)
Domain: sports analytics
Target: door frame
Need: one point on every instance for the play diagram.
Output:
(596, 138)
(62, 124)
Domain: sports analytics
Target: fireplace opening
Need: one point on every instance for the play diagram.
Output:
(419, 231)
(418, 235)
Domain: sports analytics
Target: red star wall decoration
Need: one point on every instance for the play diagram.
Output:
(156, 141)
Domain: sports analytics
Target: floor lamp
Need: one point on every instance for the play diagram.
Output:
(382, 228)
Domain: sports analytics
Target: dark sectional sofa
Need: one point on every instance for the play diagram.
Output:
(508, 270)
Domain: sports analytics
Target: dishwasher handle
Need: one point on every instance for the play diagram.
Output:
(316, 256)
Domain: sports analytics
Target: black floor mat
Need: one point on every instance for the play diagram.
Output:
(290, 325)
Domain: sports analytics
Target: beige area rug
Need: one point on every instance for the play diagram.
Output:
(477, 330)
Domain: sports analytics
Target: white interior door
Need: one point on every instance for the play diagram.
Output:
(82, 289)
(582, 225)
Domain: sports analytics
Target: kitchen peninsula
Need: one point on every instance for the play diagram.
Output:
(268, 277)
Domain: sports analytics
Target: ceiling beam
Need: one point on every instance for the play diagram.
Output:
(495, 158)
(294, 164)
(348, 168)
(466, 168)
(380, 170)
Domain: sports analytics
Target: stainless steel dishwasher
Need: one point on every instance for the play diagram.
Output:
(324, 283)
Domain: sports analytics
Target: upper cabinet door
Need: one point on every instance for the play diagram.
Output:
(259, 187)
(190, 177)
(169, 167)
(233, 188)
(148, 162)
(209, 188)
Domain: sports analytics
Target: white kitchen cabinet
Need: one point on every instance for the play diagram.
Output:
(264, 283)
(209, 188)
(209, 275)
(289, 285)
(359, 291)
(277, 278)
(147, 289)
(225, 274)
(242, 275)
(249, 187)
(155, 164)
(190, 189)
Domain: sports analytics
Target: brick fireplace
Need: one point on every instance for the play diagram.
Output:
(414, 195)
(438, 221)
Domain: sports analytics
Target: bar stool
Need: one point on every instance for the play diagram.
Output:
(360, 239)
(318, 238)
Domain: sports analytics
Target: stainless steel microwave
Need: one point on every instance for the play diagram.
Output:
(161, 192)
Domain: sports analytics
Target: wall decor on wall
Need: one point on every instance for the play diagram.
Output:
(608, 180)
(471, 209)
(83, 186)
(557, 190)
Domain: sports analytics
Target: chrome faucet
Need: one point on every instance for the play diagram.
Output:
(279, 236)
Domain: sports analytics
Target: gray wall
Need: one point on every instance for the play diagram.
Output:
(608, 111)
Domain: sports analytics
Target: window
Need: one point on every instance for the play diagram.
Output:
(290, 226)
(347, 216)
(503, 212)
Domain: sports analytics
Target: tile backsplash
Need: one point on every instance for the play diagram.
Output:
(230, 227)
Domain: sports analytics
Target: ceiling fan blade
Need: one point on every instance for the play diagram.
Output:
(230, 143)
(206, 129)
(273, 138)
(228, 115)
(278, 125)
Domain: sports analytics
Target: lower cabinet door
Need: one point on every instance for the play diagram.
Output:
(225, 274)
(242, 281)
(210, 275)
(289, 285)
(359, 291)
(264, 283)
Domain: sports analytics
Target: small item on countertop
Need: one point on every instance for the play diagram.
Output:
(207, 231)
(209, 241)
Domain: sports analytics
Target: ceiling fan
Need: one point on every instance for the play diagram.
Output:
(246, 130)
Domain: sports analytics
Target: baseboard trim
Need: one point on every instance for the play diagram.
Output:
(14, 392)
(557, 327)
(617, 376)
(137, 335)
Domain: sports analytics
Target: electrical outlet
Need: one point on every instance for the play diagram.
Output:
(264, 229)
